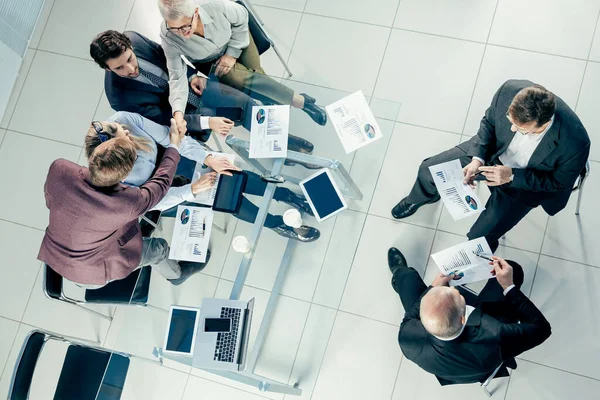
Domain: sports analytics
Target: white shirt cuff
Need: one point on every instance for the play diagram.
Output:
(508, 289)
(189, 195)
(480, 160)
(204, 123)
(173, 145)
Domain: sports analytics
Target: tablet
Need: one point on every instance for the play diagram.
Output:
(323, 195)
(181, 331)
(229, 192)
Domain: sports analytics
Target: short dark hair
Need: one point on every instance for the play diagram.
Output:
(533, 104)
(107, 45)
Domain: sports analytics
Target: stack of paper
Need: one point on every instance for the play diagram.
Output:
(269, 131)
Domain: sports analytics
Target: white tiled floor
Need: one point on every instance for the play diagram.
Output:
(335, 329)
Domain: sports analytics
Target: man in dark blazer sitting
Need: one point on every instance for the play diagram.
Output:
(531, 147)
(136, 80)
(460, 337)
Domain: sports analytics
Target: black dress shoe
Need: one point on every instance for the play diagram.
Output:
(300, 145)
(396, 259)
(180, 180)
(315, 112)
(303, 234)
(308, 99)
(297, 201)
(405, 209)
(188, 269)
(291, 163)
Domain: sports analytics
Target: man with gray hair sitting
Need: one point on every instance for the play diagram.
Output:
(458, 336)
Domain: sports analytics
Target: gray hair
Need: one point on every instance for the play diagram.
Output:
(441, 312)
(172, 10)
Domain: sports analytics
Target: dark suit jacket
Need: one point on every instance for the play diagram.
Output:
(555, 164)
(125, 94)
(94, 236)
(484, 344)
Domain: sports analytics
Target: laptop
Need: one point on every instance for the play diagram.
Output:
(223, 332)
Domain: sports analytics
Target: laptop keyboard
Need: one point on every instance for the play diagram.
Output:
(226, 341)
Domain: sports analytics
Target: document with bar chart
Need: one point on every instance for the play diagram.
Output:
(460, 200)
(191, 233)
(269, 131)
(463, 263)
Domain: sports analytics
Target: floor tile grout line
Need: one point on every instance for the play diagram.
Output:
(240, 389)
(432, 34)
(587, 63)
(12, 345)
(558, 369)
(23, 225)
(299, 344)
(397, 375)
(45, 25)
(32, 289)
(65, 55)
(480, 67)
(26, 75)
(428, 127)
(324, 258)
(508, 384)
(362, 230)
(186, 381)
(537, 264)
(318, 375)
(129, 16)
(44, 138)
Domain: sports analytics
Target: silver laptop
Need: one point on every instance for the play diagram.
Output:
(222, 340)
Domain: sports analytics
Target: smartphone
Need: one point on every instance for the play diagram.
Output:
(233, 113)
(479, 177)
(217, 325)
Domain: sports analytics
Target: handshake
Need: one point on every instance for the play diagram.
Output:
(219, 165)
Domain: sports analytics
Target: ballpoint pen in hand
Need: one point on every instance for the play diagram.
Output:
(482, 256)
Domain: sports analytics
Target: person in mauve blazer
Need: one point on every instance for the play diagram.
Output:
(460, 337)
(531, 147)
(93, 236)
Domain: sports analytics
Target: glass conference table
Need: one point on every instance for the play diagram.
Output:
(272, 258)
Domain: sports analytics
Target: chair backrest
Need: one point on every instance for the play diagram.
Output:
(53, 283)
(131, 290)
(582, 176)
(25, 366)
(261, 39)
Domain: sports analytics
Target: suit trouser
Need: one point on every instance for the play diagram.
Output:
(410, 287)
(248, 76)
(155, 252)
(503, 210)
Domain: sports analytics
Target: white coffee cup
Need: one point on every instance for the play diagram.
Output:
(292, 218)
(240, 244)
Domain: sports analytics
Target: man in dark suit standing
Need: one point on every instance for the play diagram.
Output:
(531, 147)
(137, 80)
(460, 337)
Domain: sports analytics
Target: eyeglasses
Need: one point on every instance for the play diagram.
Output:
(521, 131)
(102, 134)
(185, 29)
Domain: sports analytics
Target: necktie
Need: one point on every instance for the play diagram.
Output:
(193, 98)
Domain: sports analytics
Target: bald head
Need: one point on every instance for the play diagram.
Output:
(442, 311)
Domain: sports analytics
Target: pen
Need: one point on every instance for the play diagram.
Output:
(482, 256)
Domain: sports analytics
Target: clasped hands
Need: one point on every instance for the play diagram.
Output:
(495, 176)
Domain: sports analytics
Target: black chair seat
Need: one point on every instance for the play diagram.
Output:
(85, 371)
(129, 290)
